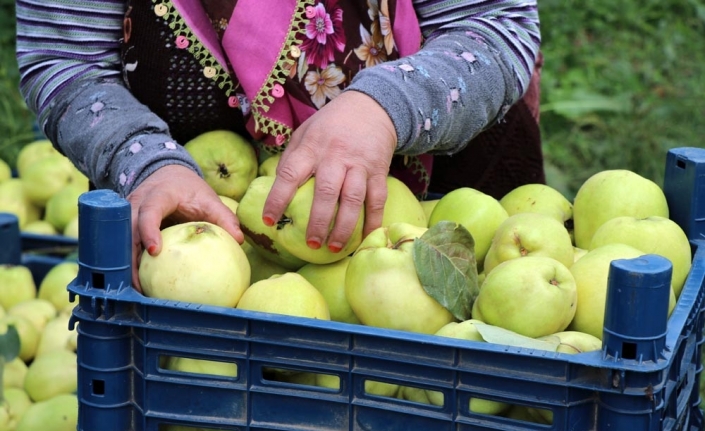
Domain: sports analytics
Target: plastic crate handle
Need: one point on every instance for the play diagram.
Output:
(105, 240)
(11, 250)
(636, 288)
(684, 187)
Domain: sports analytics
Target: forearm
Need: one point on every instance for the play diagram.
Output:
(116, 141)
(68, 52)
(474, 65)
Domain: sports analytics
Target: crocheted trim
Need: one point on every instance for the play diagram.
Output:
(276, 77)
(417, 167)
(185, 39)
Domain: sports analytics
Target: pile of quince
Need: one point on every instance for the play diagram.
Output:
(38, 361)
(529, 269)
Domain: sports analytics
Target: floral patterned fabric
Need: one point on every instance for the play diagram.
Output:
(341, 38)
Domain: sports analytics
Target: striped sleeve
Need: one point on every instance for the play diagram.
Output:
(59, 42)
(68, 52)
(511, 27)
(475, 63)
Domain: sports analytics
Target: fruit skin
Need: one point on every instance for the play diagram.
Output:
(230, 203)
(464, 330)
(14, 373)
(32, 152)
(382, 287)
(14, 200)
(38, 311)
(291, 229)
(52, 288)
(402, 206)
(52, 374)
(199, 262)
(16, 285)
(228, 161)
(201, 366)
(539, 198)
(532, 296)
(529, 234)
(578, 253)
(62, 207)
(59, 413)
(329, 279)
(5, 171)
(574, 342)
(260, 236)
(268, 167)
(614, 193)
(18, 401)
(479, 213)
(29, 335)
(290, 294)
(261, 268)
(591, 273)
(40, 227)
(47, 176)
(56, 335)
(428, 206)
(651, 235)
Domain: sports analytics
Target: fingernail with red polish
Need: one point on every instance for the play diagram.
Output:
(335, 248)
(313, 243)
(268, 220)
(152, 249)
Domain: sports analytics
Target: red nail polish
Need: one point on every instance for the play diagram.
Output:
(314, 244)
(268, 220)
(335, 248)
(152, 249)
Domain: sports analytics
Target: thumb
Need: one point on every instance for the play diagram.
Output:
(224, 217)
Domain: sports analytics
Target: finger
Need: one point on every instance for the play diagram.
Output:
(222, 216)
(149, 220)
(374, 203)
(326, 192)
(352, 199)
(291, 173)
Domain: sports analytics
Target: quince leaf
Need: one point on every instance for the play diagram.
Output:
(499, 335)
(444, 257)
(9, 343)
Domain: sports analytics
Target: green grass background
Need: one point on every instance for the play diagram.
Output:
(623, 82)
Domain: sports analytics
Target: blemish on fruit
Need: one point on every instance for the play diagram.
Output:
(260, 239)
(283, 221)
(223, 171)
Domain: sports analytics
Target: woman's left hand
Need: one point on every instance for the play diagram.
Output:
(348, 146)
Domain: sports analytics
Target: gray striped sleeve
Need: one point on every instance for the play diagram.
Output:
(68, 52)
(476, 62)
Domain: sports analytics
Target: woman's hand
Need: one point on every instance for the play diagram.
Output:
(173, 194)
(348, 146)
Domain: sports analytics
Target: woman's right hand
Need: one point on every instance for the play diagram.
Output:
(173, 194)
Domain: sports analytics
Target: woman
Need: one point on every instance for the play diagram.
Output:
(349, 90)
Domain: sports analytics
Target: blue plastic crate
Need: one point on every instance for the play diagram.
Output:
(12, 250)
(123, 335)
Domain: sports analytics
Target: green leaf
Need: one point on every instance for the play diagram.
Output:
(444, 257)
(10, 343)
(498, 335)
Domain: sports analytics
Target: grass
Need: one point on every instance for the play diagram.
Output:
(622, 83)
(15, 119)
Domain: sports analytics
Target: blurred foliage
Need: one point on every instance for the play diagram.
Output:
(622, 83)
(16, 122)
